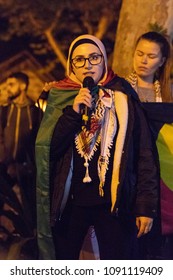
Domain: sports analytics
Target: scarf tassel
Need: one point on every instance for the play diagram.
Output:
(101, 191)
(87, 178)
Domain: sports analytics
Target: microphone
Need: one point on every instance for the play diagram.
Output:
(89, 83)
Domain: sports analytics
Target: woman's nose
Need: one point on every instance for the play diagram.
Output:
(87, 64)
(144, 59)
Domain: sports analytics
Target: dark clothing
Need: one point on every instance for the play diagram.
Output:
(137, 192)
(88, 194)
(137, 159)
(115, 241)
(18, 130)
(19, 126)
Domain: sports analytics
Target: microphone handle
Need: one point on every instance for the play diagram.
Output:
(85, 116)
(88, 82)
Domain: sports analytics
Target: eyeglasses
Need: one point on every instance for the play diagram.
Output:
(80, 61)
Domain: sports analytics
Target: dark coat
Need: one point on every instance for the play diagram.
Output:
(137, 191)
(139, 181)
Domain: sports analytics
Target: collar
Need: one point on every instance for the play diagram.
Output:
(106, 96)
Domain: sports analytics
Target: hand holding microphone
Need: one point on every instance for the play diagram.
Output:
(82, 102)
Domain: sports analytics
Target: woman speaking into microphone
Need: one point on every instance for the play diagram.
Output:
(102, 175)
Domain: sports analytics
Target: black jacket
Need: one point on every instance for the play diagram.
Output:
(139, 176)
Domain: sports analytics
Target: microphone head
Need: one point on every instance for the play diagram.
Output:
(88, 82)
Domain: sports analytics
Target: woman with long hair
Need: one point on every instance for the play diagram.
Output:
(151, 80)
(152, 68)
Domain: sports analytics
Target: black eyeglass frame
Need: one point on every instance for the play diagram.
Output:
(87, 58)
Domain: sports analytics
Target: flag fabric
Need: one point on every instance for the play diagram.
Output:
(160, 117)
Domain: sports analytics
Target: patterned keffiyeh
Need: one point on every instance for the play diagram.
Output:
(102, 130)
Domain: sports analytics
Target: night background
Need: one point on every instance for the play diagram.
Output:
(46, 28)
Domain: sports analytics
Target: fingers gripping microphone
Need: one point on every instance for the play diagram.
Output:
(89, 83)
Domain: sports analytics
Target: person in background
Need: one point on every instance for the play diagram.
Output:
(100, 172)
(152, 68)
(151, 81)
(19, 123)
